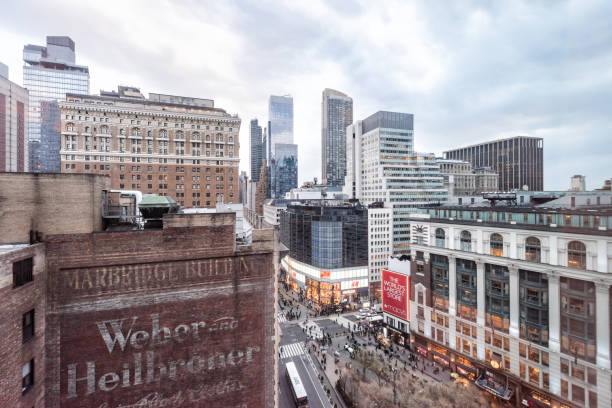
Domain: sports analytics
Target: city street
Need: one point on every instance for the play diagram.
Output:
(293, 348)
(298, 344)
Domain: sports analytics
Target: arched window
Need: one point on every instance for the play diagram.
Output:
(208, 138)
(576, 255)
(122, 132)
(69, 127)
(195, 136)
(135, 132)
(231, 139)
(87, 129)
(104, 129)
(533, 249)
(466, 241)
(179, 135)
(497, 245)
(163, 134)
(149, 133)
(440, 237)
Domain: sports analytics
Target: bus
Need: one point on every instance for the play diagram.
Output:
(297, 388)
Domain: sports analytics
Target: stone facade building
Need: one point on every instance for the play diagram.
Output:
(188, 152)
(517, 298)
(461, 179)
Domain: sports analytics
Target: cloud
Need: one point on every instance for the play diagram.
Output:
(469, 71)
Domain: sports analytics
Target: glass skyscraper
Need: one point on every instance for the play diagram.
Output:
(49, 73)
(284, 170)
(336, 115)
(282, 153)
(280, 116)
(45, 155)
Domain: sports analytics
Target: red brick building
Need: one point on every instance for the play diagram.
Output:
(179, 316)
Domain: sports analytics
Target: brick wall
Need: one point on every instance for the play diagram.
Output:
(3, 138)
(49, 204)
(21, 153)
(13, 352)
(196, 317)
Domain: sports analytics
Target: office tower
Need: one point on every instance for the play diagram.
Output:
(280, 116)
(519, 161)
(577, 183)
(45, 154)
(257, 150)
(282, 153)
(13, 124)
(328, 254)
(49, 73)
(336, 115)
(517, 297)
(385, 173)
(284, 170)
(188, 152)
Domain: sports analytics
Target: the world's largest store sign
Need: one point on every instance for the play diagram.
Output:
(395, 288)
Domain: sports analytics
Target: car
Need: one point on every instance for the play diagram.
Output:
(349, 348)
(364, 310)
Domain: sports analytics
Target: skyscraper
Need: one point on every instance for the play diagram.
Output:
(257, 150)
(385, 173)
(280, 115)
(284, 171)
(519, 161)
(45, 155)
(13, 124)
(282, 153)
(49, 73)
(336, 115)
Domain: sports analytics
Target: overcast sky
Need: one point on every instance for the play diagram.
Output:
(468, 71)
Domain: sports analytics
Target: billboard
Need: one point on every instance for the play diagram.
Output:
(395, 293)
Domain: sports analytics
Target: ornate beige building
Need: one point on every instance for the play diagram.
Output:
(186, 149)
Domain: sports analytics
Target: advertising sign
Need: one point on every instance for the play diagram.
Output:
(395, 293)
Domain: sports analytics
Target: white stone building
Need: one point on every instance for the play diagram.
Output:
(517, 298)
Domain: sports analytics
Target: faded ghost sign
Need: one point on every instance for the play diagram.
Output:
(202, 347)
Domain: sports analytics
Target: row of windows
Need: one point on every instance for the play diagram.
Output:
(576, 250)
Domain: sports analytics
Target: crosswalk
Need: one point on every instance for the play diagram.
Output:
(292, 350)
(281, 317)
(312, 330)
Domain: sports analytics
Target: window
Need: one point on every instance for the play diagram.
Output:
(28, 326)
(22, 272)
(576, 255)
(497, 245)
(440, 237)
(27, 376)
(533, 249)
(466, 241)
(577, 394)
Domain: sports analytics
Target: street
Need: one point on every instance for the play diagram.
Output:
(301, 342)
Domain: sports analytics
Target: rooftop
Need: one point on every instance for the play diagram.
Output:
(131, 96)
(495, 141)
(11, 247)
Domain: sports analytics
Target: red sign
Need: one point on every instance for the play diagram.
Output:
(395, 293)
